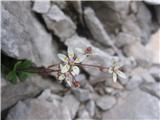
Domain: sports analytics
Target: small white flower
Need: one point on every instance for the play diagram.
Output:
(70, 60)
(114, 70)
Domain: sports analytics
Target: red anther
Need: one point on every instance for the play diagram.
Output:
(76, 84)
(88, 50)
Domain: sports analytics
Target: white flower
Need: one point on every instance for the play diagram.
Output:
(69, 63)
(114, 70)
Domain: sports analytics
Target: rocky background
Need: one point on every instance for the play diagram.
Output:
(39, 30)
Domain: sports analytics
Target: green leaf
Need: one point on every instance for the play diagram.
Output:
(12, 77)
(26, 64)
(23, 75)
(22, 64)
(17, 65)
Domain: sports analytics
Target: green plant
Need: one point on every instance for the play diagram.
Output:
(20, 71)
(66, 70)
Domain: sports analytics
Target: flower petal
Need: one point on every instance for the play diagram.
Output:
(110, 70)
(80, 59)
(114, 77)
(65, 68)
(63, 57)
(76, 70)
(69, 82)
(61, 77)
(121, 74)
(70, 53)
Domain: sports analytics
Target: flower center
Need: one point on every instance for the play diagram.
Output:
(71, 61)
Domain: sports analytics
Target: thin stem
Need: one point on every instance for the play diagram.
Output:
(53, 65)
(72, 76)
(89, 65)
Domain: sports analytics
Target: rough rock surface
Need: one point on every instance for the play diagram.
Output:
(96, 27)
(116, 12)
(23, 37)
(72, 104)
(134, 107)
(59, 23)
(82, 95)
(39, 109)
(41, 6)
(127, 31)
(106, 102)
(30, 88)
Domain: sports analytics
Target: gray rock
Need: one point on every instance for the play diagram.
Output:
(29, 88)
(96, 27)
(72, 104)
(136, 105)
(106, 102)
(109, 90)
(130, 26)
(154, 71)
(144, 21)
(39, 109)
(134, 7)
(152, 88)
(61, 4)
(23, 37)
(97, 30)
(77, 6)
(83, 114)
(110, 13)
(124, 38)
(153, 47)
(81, 94)
(138, 51)
(134, 82)
(41, 6)
(91, 108)
(59, 23)
(148, 77)
(47, 95)
(99, 57)
(82, 79)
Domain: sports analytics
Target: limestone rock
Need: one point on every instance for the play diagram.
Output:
(123, 38)
(138, 51)
(72, 104)
(41, 6)
(152, 88)
(110, 13)
(38, 109)
(23, 37)
(59, 23)
(82, 94)
(91, 108)
(96, 27)
(153, 46)
(136, 105)
(106, 102)
(27, 89)
(83, 114)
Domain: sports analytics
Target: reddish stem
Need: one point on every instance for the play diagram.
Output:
(53, 65)
(89, 65)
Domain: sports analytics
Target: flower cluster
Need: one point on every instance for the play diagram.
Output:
(69, 67)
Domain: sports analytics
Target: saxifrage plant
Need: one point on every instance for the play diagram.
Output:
(66, 70)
